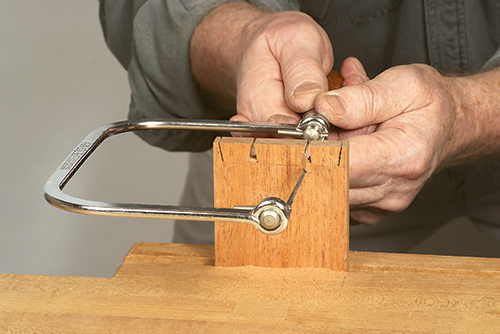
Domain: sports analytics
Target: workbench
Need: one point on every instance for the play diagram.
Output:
(169, 288)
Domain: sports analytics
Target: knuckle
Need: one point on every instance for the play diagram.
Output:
(397, 204)
(421, 79)
(297, 21)
(366, 102)
(418, 161)
(298, 30)
(365, 216)
(409, 170)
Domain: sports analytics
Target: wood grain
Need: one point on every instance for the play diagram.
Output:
(447, 295)
(317, 233)
(163, 253)
(335, 81)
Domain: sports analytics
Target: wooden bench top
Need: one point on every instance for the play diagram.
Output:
(176, 288)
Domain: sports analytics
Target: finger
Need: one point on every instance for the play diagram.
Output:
(368, 159)
(346, 134)
(375, 177)
(284, 119)
(352, 67)
(240, 118)
(365, 216)
(260, 90)
(390, 94)
(303, 86)
(352, 72)
(305, 60)
(353, 80)
(364, 197)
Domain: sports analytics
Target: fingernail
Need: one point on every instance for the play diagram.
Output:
(353, 80)
(359, 79)
(337, 103)
(307, 87)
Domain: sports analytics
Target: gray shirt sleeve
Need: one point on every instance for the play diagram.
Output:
(151, 39)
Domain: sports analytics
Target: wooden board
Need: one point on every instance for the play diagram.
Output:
(159, 289)
(247, 170)
(361, 262)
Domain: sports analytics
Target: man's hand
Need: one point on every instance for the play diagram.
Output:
(258, 60)
(402, 126)
(420, 121)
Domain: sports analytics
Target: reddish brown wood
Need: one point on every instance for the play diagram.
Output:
(317, 234)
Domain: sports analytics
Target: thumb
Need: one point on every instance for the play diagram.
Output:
(305, 58)
(386, 96)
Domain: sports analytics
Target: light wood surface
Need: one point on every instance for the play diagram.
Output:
(160, 289)
(163, 253)
(247, 170)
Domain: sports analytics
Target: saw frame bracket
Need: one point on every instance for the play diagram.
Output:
(270, 216)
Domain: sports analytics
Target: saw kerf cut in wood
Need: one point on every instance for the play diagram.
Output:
(247, 170)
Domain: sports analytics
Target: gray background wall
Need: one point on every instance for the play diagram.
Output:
(58, 81)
